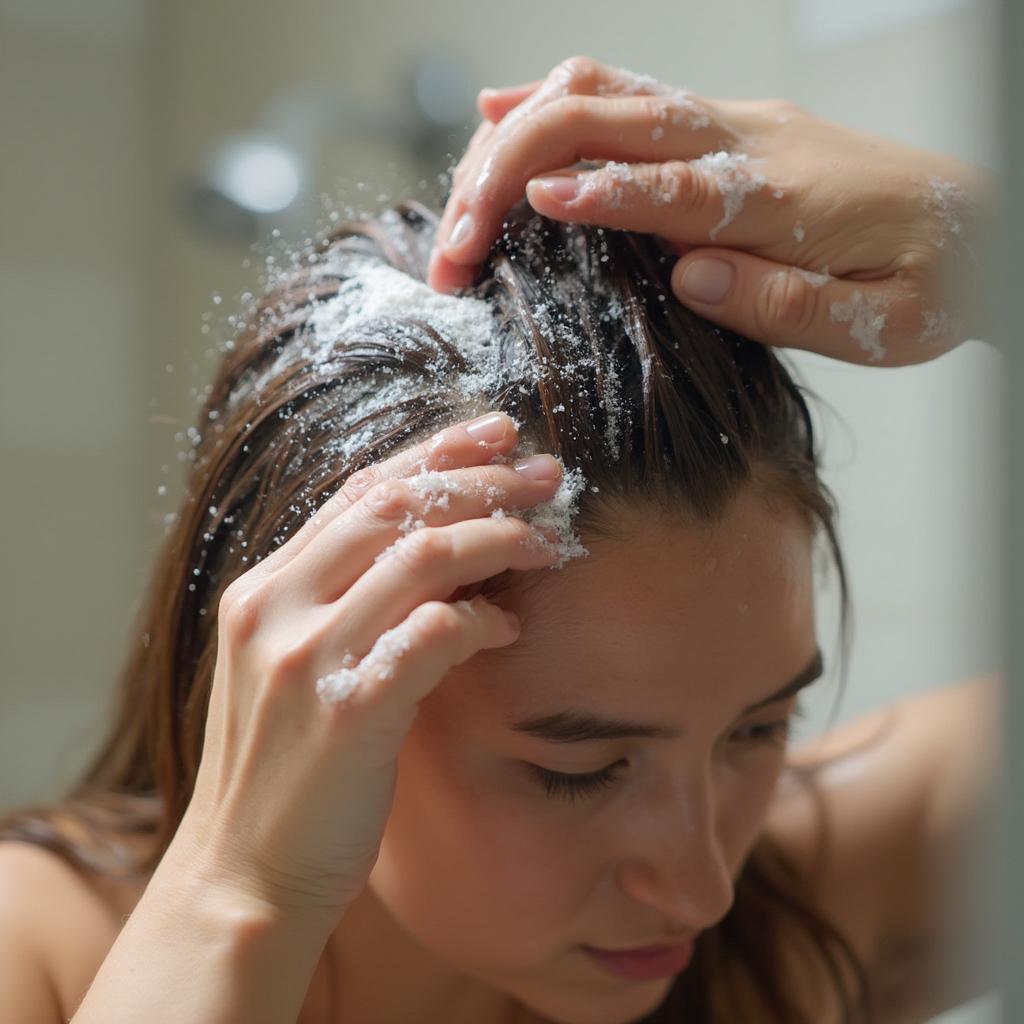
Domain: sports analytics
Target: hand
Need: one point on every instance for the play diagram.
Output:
(834, 240)
(299, 761)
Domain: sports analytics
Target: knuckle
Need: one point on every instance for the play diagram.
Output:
(436, 622)
(240, 611)
(515, 528)
(290, 662)
(359, 483)
(388, 500)
(786, 306)
(580, 71)
(423, 551)
(674, 183)
(569, 109)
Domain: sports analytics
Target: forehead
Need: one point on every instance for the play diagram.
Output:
(724, 611)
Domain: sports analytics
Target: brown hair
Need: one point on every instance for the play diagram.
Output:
(645, 398)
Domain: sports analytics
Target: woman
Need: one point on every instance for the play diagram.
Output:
(375, 761)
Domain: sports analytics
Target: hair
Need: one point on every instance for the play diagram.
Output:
(599, 365)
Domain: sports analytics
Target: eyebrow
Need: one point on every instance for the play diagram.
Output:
(580, 726)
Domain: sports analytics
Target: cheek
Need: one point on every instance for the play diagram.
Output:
(747, 794)
(472, 870)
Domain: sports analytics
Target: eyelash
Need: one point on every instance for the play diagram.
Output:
(571, 786)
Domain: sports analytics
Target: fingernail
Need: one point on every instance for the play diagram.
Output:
(562, 189)
(490, 428)
(462, 230)
(539, 467)
(707, 280)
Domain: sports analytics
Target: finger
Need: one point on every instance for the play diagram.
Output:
(688, 203)
(409, 661)
(876, 323)
(392, 509)
(454, 446)
(430, 565)
(577, 75)
(481, 134)
(494, 104)
(562, 132)
(442, 274)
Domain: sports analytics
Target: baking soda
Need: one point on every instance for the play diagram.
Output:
(734, 180)
(864, 315)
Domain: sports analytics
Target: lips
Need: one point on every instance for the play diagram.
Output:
(643, 963)
(642, 950)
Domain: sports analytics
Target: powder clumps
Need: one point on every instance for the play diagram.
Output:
(866, 319)
(734, 180)
(379, 664)
(608, 182)
(939, 327)
(813, 279)
(945, 200)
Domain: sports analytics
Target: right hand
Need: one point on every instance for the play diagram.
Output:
(293, 793)
(848, 244)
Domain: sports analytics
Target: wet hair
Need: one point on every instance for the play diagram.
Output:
(586, 348)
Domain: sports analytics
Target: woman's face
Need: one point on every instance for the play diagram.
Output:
(677, 628)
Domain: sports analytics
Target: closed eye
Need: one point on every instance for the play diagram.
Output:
(573, 785)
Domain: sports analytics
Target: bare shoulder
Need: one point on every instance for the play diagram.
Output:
(58, 925)
(882, 817)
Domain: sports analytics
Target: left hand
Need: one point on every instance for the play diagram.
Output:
(840, 242)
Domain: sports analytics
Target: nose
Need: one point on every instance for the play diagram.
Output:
(677, 862)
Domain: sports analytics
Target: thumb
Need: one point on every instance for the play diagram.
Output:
(872, 322)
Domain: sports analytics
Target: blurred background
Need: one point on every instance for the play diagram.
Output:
(157, 154)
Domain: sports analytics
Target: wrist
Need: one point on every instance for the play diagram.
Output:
(229, 905)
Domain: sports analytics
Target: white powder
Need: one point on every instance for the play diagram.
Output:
(798, 232)
(379, 664)
(866, 320)
(734, 180)
(629, 83)
(945, 200)
(608, 182)
(815, 280)
(680, 109)
(939, 327)
(371, 292)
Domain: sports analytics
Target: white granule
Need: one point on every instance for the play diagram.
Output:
(815, 280)
(372, 291)
(866, 320)
(798, 232)
(607, 182)
(938, 327)
(436, 487)
(945, 200)
(339, 684)
(657, 132)
(629, 83)
(378, 664)
(556, 513)
(735, 182)
(680, 109)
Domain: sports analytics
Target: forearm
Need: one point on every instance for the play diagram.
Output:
(193, 955)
